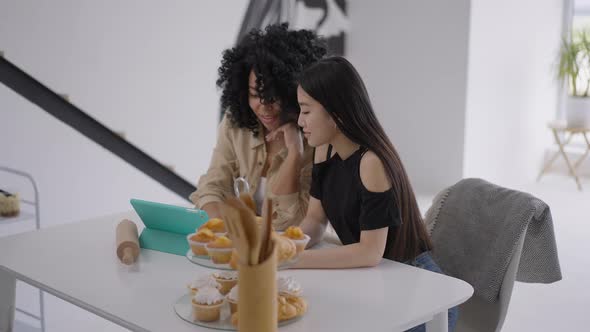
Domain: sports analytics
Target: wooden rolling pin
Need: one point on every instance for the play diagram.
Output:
(127, 242)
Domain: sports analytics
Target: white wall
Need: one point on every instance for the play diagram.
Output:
(413, 58)
(511, 91)
(147, 68)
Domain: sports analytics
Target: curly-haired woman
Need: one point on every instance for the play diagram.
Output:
(258, 138)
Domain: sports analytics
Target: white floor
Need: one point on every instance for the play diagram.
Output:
(562, 306)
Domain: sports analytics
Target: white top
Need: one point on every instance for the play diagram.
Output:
(259, 195)
(77, 263)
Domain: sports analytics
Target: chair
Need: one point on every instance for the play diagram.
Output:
(491, 236)
(478, 315)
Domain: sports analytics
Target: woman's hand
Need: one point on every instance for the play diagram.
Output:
(291, 135)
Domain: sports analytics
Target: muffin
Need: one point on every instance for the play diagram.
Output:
(227, 280)
(296, 235)
(232, 299)
(198, 241)
(214, 224)
(203, 281)
(285, 247)
(288, 286)
(207, 304)
(220, 250)
(9, 204)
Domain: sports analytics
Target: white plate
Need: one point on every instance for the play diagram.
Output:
(207, 262)
(184, 310)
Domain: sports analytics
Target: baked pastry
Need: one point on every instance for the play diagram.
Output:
(286, 309)
(207, 304)
(288, 286)
(227, 280)
(285, 248)
(298, 302)
(215, 224)
(220, 250)
(203, 281)
(232, 299)
(296, 234)
(199, 240)
(9, 204)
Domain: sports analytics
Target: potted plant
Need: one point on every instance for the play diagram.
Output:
(574, 70)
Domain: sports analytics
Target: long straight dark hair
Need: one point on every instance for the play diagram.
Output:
(336, 84)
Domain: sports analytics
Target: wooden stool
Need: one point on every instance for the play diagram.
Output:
(569, 132)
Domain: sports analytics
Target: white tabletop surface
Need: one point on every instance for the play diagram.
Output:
(77, 262)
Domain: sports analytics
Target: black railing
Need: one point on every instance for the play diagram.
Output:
(54, 104)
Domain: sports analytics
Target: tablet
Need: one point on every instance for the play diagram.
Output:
(166, 226)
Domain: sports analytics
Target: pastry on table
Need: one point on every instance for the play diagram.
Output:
(198, 241)
(203, 281)
(285, 247)
(227, 280)
(286, 310)
(207, 304)
(288, 286)
(298, 302)
(9, 204)
(296, 234)
(215, 224)
(288, 307)
(220, 250)
(232, 299)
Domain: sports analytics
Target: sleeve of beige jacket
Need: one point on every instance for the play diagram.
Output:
(290, 209)
(217, 183)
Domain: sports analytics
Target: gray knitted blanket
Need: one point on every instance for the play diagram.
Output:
(475, 226)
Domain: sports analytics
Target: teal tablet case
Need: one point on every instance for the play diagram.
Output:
(166, 226)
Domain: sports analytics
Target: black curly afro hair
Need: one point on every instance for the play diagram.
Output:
(277, 55)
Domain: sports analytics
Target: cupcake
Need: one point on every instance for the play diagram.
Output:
(232, 299)
(199, 240)
(226, 279)
(288, 286)
(207, 304)
(203, 281)
(220, 250)
(214, 224)
(296, 235)
(285, 247)
(9, 204)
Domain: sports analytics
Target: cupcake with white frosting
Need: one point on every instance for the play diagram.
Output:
(207, 304)
(289, 286)
(226, 279)
(203, 281)
(232, 299)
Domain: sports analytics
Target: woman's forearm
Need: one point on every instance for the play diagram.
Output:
(314, 229)
(348, 256)
(288, 177)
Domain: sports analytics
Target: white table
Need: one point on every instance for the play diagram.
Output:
(77, 263)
